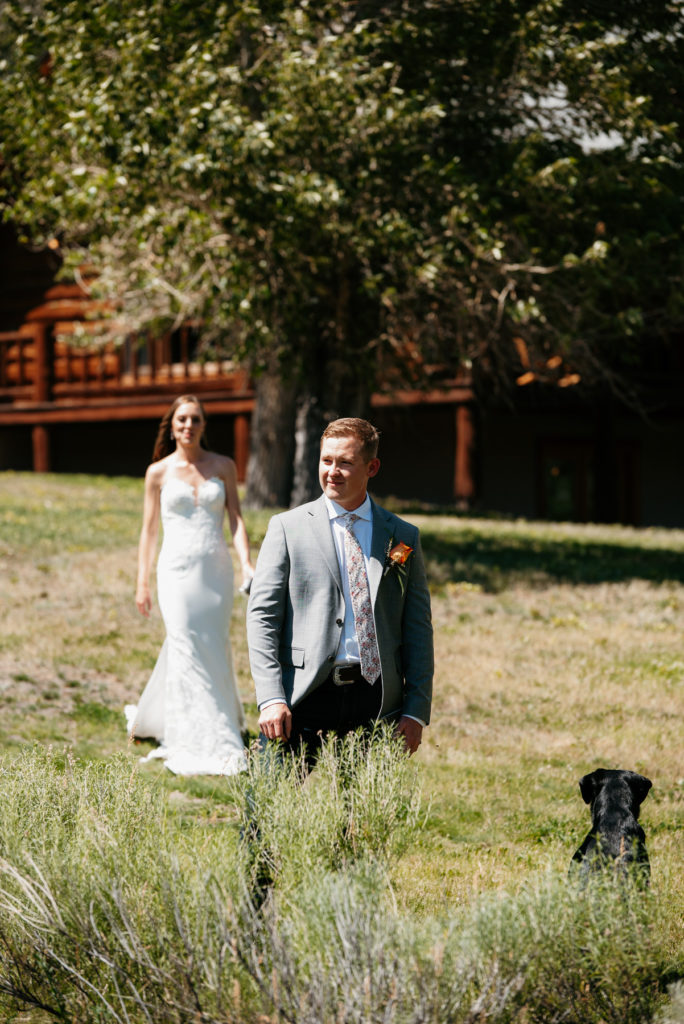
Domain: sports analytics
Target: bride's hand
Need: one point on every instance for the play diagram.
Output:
(143, 600)
(247, 577)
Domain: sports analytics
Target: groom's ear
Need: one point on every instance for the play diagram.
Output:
(373, 467)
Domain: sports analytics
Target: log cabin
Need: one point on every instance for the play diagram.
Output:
(70, 404)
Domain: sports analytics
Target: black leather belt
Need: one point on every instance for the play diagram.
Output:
(344, 675)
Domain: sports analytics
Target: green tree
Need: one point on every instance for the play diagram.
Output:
(349, 194)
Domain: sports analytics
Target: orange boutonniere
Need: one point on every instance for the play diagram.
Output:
(396, 557)
(399, 553)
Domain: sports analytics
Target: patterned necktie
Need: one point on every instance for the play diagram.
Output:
(361, 602)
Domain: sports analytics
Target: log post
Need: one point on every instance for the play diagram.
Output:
(464, 468)
(40, 436)
(241, 445)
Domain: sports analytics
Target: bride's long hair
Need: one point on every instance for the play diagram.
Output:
(165, 443)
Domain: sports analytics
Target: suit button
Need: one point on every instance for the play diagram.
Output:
(340, 622)
(331, 657)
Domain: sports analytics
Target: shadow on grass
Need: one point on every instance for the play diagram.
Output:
(496, 561)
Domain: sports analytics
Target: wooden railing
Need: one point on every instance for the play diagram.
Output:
(59, 369)
(36, 367)
(19, 359)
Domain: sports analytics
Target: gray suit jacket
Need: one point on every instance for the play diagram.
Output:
(296, 611)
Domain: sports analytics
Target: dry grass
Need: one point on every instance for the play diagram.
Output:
(559, 650)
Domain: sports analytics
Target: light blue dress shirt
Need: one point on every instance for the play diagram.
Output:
(348, 651)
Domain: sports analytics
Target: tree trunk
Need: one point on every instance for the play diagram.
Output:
(309, 425)
(314, 412)
(288, 421)
(271, 450)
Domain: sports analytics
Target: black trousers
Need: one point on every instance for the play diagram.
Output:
(338, 709)
(331, 708)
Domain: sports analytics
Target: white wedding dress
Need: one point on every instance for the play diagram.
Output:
(190, 704)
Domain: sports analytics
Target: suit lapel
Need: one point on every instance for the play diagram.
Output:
(320, 526)
(379, 544)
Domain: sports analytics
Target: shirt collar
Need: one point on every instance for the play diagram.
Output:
(336, 511)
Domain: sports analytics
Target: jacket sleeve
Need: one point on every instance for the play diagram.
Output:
(417, 639)
(266, 613)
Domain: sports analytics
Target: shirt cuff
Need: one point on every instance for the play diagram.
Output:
(414, 719)
(273, 700)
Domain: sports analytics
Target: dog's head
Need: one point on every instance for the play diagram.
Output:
(618, 779)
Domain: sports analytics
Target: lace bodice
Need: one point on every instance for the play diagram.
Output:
(193, 525)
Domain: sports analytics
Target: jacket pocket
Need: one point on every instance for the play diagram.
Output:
(293, 656)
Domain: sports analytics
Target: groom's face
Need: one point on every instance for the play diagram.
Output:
(343, 473)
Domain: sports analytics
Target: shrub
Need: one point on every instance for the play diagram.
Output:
(361, 802)
(113, 909)
(549, 954)
(106, 901)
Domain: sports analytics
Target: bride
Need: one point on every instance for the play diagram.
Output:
(190, 704)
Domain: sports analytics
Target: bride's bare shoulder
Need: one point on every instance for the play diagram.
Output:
(223, 466)
(156, 472)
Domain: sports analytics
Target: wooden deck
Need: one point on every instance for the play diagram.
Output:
(52, 370)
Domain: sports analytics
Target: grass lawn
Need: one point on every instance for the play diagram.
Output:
(559, 649)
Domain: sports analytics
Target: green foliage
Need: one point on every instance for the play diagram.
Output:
(359, 189)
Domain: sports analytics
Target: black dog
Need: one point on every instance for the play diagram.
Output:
(616, 837)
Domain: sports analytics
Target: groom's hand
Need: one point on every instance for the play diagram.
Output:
(412, 731)
(275, 721)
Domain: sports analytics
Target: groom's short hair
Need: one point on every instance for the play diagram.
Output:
(362, 430)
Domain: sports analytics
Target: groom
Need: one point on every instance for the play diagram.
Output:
(338, 622)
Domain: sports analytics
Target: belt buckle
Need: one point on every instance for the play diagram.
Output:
(337, 678)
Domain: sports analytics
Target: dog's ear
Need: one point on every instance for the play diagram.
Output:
(639, 786)
(590, 784)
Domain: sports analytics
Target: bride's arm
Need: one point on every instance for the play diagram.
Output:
(148, 538)
(237, 525)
